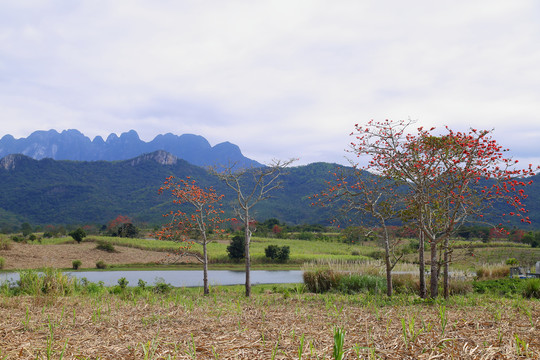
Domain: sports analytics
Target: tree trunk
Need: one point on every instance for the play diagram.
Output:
(248, 258)
(445, 271)
(388, 265)
(422, 261)
(205, 269)
(434, 287)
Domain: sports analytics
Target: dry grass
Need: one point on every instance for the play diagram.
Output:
(185, 325)
(492, 271)
(33, 256)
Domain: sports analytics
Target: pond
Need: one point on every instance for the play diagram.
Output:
(181, 278)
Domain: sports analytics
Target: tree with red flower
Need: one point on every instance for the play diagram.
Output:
(196, 224)
(452, 178)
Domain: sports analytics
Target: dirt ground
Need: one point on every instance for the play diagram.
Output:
(26, 256)
(267, 326)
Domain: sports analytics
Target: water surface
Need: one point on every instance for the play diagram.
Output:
(181, 278)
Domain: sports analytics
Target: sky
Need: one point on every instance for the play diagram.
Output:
(280, 79)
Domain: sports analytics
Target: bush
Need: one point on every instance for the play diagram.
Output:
(50, 282)
(125, 230)
(105, 246)
(17, 239)
(237, 248)
(141, 283)
(500, 287)
(2, 262)
(123, 283)
(78, 235)
(277, 253)
(304, 235)
(5, 244)
(76, 264)
(321, 280)
(101, 264)
(354, 283)
(162, 287)
(532, 288)
(460, 287)
(511, 261)
(405, 284)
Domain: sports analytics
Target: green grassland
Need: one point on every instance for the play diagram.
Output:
(467, 254)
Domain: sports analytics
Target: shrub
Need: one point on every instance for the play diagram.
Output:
(5, 244)
(123, 282)
(101, 264)
(277, 253)
(321, 280)
(76, 264)
(105, 246)
(162, 287)
(502, 287)
(50, 282)
(17, 239)
(532, 288)
(78, 235)
(126, 230)
(2, 262)
(304, 235)
(141, 283)
(511, 261)
(460, 287)
(237, 248)
(405, 284)
(354, 283)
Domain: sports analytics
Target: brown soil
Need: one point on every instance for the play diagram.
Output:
(26, 256)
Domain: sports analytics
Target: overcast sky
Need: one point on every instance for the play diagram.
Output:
(280, 79)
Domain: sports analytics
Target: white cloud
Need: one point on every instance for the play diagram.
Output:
(278, 78)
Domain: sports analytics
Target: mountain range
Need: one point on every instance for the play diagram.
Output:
(38, 188)
(73, 145)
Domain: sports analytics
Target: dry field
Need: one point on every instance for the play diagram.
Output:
(185, 325)
(33, 256)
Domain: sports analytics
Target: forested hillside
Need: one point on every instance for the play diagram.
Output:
(72, 192)
(50, 191)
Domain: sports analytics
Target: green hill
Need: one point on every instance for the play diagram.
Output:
(70, 192)
(76, 192)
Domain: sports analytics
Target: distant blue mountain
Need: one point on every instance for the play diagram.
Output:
(73, 145)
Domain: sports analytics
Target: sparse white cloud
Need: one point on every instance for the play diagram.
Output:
(280, 79)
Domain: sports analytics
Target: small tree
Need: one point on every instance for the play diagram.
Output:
(277, 253)
(251, 186)
(78, 235)
(127, 230)
(122, 226)
(204, 218)
(26, 229)
(237, 248)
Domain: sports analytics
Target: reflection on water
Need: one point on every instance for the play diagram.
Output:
(181, 278)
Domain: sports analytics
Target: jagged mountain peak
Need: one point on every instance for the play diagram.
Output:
(73, 145)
